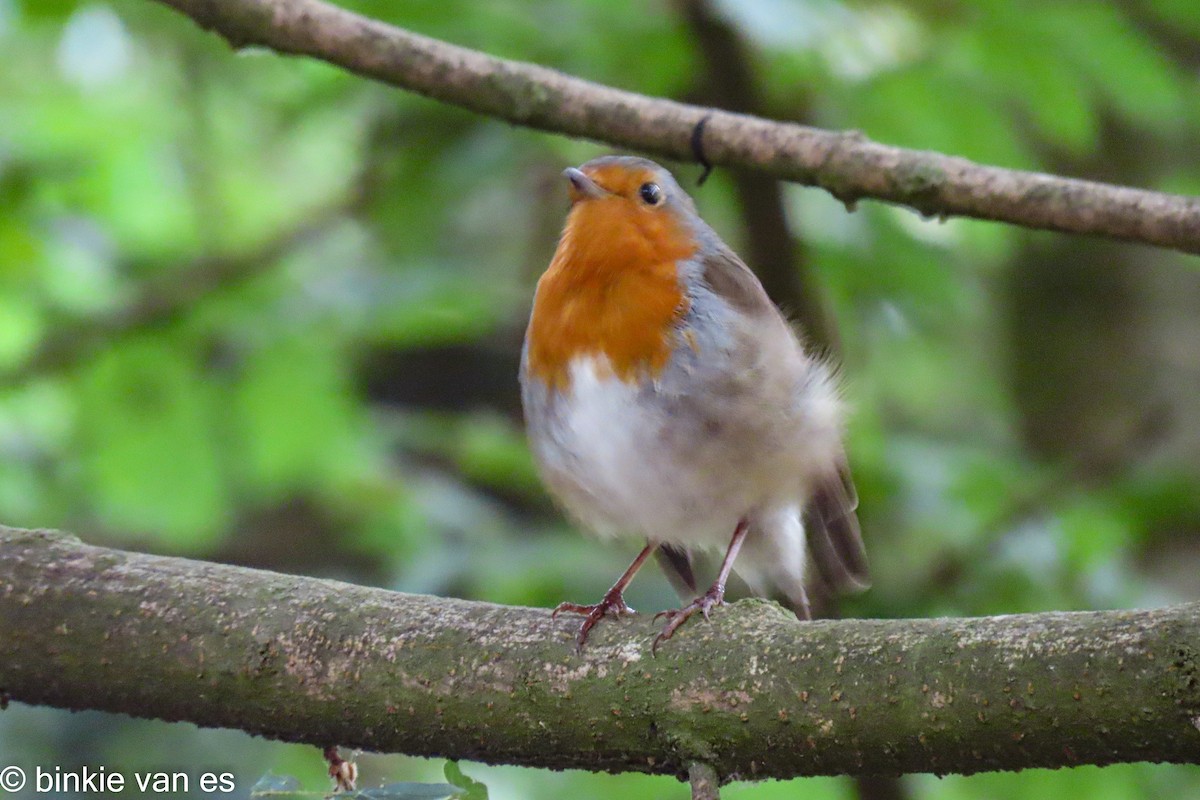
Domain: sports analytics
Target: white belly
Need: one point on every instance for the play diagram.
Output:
(624, 459)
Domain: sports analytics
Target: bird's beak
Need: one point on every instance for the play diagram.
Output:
(582, 187)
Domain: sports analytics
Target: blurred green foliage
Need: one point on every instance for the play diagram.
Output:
(256, 309)
(461, 786)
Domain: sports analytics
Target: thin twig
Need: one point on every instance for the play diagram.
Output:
(847, 164)
(705, 784)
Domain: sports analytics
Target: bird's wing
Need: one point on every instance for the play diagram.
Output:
(831, 526)
(730, 278)
(833, 534)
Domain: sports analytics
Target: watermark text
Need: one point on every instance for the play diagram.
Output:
(102, 780)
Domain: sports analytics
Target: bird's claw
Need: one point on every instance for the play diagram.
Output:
(714, 597)
(612, 605)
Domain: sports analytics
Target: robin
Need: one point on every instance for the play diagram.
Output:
(666, 397)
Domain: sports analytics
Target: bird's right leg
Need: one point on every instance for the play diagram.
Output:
(613, 602)
(715, 596)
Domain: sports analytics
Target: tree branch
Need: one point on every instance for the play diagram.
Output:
(846, 164)
(753, 693)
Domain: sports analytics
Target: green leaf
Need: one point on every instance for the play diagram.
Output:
(1094, 531)
(23, 252)
(474, 789)
(295, 411)
(150, 457)
(1183, 14)
(48, 10)
(1022, 64)
(491, 450)
(926, 108)
(405, 791)
(1124, 66)
(20, 325)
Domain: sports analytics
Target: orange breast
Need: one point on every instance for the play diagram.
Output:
(612, 289)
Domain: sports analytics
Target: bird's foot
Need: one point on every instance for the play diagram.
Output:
(715, 596)
(613, 605)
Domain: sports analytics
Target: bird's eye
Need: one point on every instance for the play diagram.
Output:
(651, 194)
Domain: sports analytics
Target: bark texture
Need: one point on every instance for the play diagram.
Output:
(753, 693)
(847, 164)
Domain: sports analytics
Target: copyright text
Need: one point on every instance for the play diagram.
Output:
(102, 780)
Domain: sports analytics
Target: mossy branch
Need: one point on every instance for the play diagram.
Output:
(847, 164)
(754, 693)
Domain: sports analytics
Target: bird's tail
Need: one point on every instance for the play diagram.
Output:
(834, 537)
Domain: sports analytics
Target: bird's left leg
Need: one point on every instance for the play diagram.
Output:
(715, 596)
(613, 602)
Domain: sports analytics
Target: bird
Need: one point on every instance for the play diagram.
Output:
(667, 398)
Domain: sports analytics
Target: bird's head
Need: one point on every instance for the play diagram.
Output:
(627, 213)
